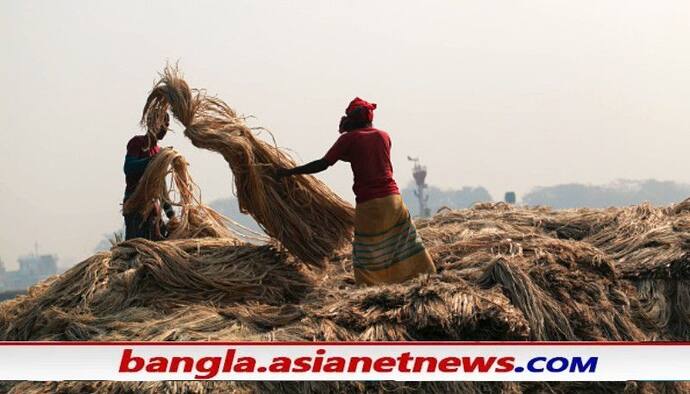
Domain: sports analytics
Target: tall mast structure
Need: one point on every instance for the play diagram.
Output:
(419, 175)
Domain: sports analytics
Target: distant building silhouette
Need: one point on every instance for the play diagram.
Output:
(510, 198)
(616, 194)
(8, 295)
(32, 268)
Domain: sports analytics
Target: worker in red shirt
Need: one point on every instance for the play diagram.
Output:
(387, 248)
(140, 150)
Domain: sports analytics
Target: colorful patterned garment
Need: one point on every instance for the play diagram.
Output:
(138, 156)
(387, 248)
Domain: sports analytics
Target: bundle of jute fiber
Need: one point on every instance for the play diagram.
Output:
(94, 299)
(196, 220)
(650, 247)
(309, 219)
(565, 289)
(643, 250)
(653, 252)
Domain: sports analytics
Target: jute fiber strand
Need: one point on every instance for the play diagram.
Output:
(309, 219)
(504, 273)
(196, 220)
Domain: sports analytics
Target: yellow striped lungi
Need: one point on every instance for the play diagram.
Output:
(387, 248)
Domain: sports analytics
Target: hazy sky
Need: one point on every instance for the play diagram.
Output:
(504, 94)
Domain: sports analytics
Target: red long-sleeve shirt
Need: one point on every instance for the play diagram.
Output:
(368, 152)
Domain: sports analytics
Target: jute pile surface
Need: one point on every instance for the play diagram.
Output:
(504, 273)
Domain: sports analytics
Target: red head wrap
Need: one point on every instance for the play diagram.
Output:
(366, 112)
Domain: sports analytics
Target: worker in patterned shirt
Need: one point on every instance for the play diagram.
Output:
(140, 150)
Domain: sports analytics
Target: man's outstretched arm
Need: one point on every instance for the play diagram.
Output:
(309, 168)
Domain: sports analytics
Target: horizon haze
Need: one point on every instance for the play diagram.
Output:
(508, 95)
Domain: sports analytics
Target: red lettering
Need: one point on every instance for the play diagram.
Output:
(208, 367)
(127, 359)
(366, 361)
(318, 361)
(483, 364)
(245, 364)
(302, 364)
(334, 364)
(419, 361)
(505, 364)
(229, 358)
(157, 364)
(402, 362)
(384, 364)
(280, 364)
(449, 364)
(188, 364)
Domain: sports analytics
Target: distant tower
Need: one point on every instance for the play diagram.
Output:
(510, 197)
(419, 174)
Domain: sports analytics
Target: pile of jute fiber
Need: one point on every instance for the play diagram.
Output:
(504, 273)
